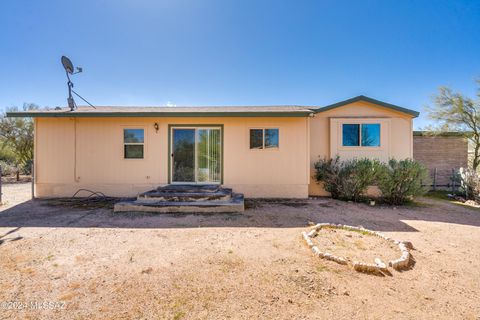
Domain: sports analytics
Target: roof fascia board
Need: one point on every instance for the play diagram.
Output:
(370, 100)
(154, 114)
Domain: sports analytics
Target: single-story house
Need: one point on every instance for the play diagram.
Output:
(259, 151)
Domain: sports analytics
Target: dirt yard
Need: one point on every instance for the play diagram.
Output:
(355, 246)
(89, 263)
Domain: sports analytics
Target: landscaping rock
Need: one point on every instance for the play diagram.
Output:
(381, 265)
(399, 264)
(408, 244)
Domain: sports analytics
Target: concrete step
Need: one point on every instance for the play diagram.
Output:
(192, 195)
(235, 204)
(176, 188)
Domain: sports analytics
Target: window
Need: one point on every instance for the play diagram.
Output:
(263, 138)
(256, 138)
(351, 135)
(371, 135)
(365, 135)
(133, 141)
(271, 138)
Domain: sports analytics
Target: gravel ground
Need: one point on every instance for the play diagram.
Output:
(68, 262)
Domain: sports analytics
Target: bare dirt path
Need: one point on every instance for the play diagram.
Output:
(253, 265)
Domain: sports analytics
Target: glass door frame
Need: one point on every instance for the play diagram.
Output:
(170, 150)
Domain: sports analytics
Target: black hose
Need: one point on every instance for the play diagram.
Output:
(92, 193)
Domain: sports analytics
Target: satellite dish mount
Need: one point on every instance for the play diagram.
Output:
(69, 70)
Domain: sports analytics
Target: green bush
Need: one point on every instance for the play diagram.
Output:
(6, 153)
(328, 172)
(346, 180)
(8, 169)
(400, 181)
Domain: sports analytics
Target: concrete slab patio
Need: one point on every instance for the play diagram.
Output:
(248, 265)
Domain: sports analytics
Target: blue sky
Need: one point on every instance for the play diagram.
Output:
(260, 52)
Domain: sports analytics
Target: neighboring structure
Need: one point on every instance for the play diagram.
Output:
(259, 151)
(441, 153)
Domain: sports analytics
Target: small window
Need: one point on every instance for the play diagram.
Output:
(256, 138)
(263, 138)
(133, 143)
(271, 138)
(365, 135)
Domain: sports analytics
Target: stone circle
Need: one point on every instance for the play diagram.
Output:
(402, 263)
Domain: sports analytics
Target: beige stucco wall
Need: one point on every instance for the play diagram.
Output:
(88, 153)
(326, 135)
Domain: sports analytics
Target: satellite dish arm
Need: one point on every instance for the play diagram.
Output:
(71, 102)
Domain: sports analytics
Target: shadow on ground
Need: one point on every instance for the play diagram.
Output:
(259, 213)
(4, 238)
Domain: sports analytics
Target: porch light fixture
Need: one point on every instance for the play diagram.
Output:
(155, 125)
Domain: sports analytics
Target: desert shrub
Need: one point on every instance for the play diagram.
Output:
(346, 180)
(357, 176)
(328, 172)
(399, 181)
(469, 183)
(8, 169)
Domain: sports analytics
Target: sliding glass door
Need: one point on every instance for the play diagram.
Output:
(208, 155)
(196, 155)
(183, 155)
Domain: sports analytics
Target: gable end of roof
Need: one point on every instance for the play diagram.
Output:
(370, 100)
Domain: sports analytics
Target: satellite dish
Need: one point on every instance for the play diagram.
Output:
(67, 64)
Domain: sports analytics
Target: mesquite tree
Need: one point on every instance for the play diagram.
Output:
(17, 133)
(454, 111)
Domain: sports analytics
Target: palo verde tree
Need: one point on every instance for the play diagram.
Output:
(17, 134)
(454, 111)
